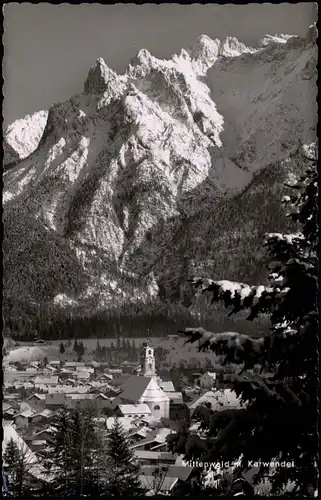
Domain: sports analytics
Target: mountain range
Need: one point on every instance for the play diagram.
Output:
(173, 168)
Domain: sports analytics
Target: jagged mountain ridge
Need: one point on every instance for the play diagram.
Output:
(143, 151)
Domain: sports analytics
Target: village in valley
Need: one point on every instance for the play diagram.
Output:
(148, 407)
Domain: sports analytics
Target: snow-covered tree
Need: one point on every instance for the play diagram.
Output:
(17, 462)
(278, 422)
(11, 460)
(123, 470)
(73, 455)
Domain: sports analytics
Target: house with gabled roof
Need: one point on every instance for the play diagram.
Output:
(106, 376)
(82, 375)
(167, 386)
(147, 457)
(89, 369)
(37, 401)
(8, 412)
(68, 389)
(73, 364)
(88, 400)
(132, 410)
(54, 380)
(183, 476)
(218, 399)
(55, 400)
(25, 405)
(138, 434)
(148, 421)
(54, 362)
(115, 371)
(153, 440)
(102, 401)
(25, 418)
(177, 407)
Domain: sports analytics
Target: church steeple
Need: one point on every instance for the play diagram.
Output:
(148, 361)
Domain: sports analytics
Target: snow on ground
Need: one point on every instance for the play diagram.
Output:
(34, 466)
(30, 353)
(63, 300)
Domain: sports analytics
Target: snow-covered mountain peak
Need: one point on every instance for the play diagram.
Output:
(204, 53)
(204, 47)
(232, 47)
(290, 41)
(99, 77)
(274, 39)
(143, 56)
(138, 152)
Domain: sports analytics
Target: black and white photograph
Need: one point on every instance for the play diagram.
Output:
(160, 250)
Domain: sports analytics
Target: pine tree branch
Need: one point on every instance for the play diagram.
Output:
(237, 348)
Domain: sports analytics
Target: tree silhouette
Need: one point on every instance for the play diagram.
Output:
(279, 420)
(123, 469)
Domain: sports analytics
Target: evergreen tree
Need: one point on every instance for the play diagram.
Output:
(81, 349)
(75, 348)
(73, 454)
(10, 463)
(279, 420)
(17, 461)
(59, 453)
(123, 469)
(134, 351)
(62, 348)
(45, 361)
(98, 348)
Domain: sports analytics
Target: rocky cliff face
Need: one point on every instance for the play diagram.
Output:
(22, 137)
(107, 182)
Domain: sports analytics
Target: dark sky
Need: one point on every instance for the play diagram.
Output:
(48, 49)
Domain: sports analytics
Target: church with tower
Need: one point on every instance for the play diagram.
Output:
(145, 388)
(147, 360)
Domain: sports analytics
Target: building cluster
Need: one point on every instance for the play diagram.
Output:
(145, 405)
